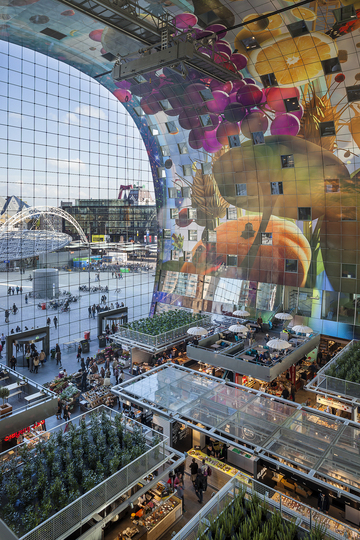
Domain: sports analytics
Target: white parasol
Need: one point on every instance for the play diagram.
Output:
(301, 329)
(241, 313)
(238, 328)
(283, 316)
(278, 344)
(197, 331)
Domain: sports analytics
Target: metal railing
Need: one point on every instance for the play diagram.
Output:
(160, 339)
(72, 516)
(306, 518)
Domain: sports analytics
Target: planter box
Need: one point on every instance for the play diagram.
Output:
(5, 409)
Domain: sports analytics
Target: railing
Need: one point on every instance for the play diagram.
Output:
(72, 516)
(160, 339)
(306, 518)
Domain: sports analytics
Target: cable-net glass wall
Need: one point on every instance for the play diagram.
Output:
(75, 166)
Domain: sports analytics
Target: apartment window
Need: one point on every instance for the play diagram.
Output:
(171, 127)
(332, 185)
(205, 120)
(291, 104)
(276, 188)
(165, 105)
(330, 66)
(353, 93)
(258, 137)
(234, 141)
(291, 265)
(183, 149)
(211, 236)
(154, 130)
(192, 213)
(266, 239)
(304, 213)
(161, 172)
(231, 260)
(348, 213)
(165, 150)
(241, 190)
(327, 129)
(231, 213)
(206, 168)
(250, 43)
(174, 213)
(187, 256)
(186, 192)
(269, 80)
(206, 94)
(174, 255)
(348, 271)
(192, 236)
(174, 193)
(287, 161)
(298, 28)
(344, 14)
(166, 233)
(139, 111)
(187, 170)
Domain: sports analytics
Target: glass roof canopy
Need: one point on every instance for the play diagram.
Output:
(323, 445)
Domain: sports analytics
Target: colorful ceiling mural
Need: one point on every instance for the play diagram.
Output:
(256, 176)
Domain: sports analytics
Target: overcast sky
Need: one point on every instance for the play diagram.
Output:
(63, 135)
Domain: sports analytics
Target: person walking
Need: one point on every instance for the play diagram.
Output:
(48, 321)
(93, 310)
(90, 312)
(17, 289)
(13, 362)
(180, 493)
(84, 381)
(59, 409)
(3, 340)
(55, 320)
(66, 413)
(199, 485)
(194, 468)
(36, 364)
(58, 357)
(42, 357)
(122, 376)
(31, 360)
(116, 375)
(7, 313)
(26, 298)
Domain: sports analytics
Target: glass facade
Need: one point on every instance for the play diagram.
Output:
(255, 170)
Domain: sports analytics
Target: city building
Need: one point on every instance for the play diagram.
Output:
(130, 219)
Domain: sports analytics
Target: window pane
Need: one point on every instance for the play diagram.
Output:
(192, 235)
(276, 188)
(348, 271)
(266, 239)
(291, 265)
(241, 190)
(304, 214)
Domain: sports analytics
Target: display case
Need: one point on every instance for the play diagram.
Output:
(162, 518)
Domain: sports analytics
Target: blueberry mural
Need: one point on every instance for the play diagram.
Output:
(256, 171)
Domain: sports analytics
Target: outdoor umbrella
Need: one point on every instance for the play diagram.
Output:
(278, 344)
(238, 328)
(283, 316)
(241, 313)
(301, 329)
(197, 331)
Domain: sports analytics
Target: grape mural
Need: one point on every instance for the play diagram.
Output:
(257, 176)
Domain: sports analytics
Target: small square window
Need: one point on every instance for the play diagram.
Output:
(287, 162)
(174, 255)
(167, 233)
(165, 150)
(165, 104)
(183, 149)
(291, 104)
(174, 192)
(171, 127)
(154, 130)
(304, 214)
(250, 43)
(298, 28)
(192, 213)
(186, 192)
(231, 213)
(187, 170)
(187, 256)
(139, 111)
(174, 213)
(139, 79)
(330, 66)
(266, 239)
(206, 94)
(291, 265)
(353, 93)
(208, 18)
(332, 185)
(241, 190)
(344, 14)
(327, 129)
(161, 172)
(258, 137)
(211, 236)
(192, 236)
(234, 141)
(348, 213)
(276, 188)
(269, 80)
(231, 260)
(205, 120)
(348, 271)
(206, 168)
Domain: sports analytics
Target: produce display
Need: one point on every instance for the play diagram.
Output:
(42, 481)
(346, 367)
(164, 322)
(160, 513)
(98, 396)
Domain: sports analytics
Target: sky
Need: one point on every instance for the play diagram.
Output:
(63, 136)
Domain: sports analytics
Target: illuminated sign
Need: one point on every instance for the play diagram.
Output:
(25, 430)
(98, 238)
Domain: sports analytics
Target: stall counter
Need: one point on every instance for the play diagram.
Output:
(162, 518)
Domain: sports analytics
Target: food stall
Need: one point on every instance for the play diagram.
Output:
(99, 395)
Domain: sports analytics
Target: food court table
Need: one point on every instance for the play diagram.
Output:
(12, 386)
(34, 396)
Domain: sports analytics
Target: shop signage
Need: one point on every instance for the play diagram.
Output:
(98, 238)
(25, 430)
(335, 404)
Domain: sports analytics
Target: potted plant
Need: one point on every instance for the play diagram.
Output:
(5, 408)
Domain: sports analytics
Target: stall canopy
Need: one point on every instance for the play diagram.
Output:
(317, 444)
